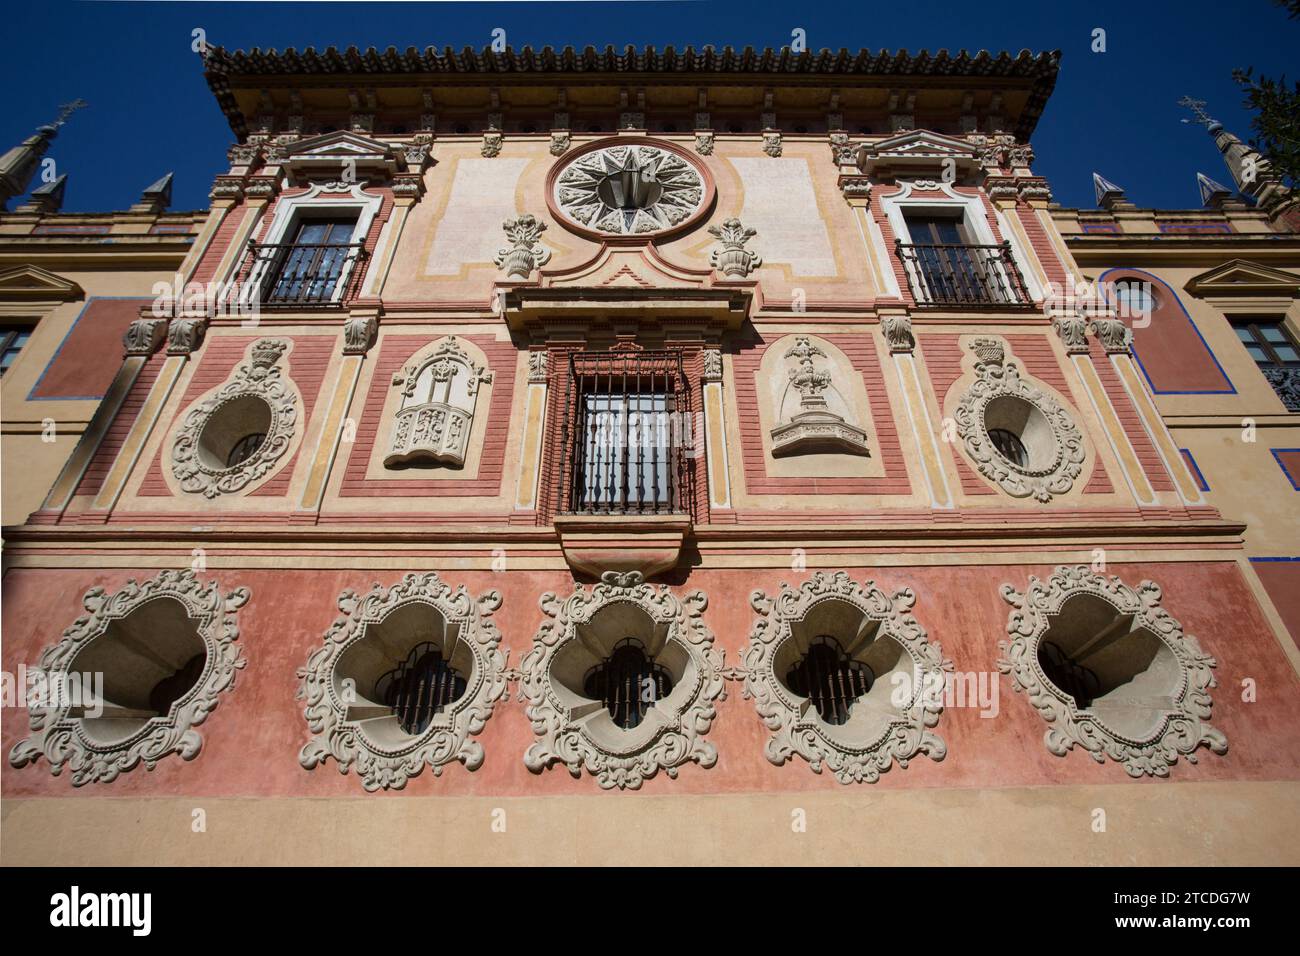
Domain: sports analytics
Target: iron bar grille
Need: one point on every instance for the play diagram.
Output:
(961, 274)
(295, 273)
(419, 687)
(628, 683)
(628, 434)
(830, 679)
(1075, 679)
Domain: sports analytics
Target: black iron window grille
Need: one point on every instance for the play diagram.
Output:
(628, 434)
(627, 683)
(319, 267)
(1071, 677)
(1271, 345)
(420, 687)
(244, 449)
(1009, 446)
(830, 679)
(963, 274)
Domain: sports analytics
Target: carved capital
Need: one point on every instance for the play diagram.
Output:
(898, 333)
(144, 336)
(1072, 331)
(1115, 337)
(712, 365)
(359, 334)
(538, 363)
(185, 335)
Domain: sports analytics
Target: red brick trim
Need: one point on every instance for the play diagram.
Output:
(102, 461)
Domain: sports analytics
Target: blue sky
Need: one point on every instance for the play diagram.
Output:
(150, 110)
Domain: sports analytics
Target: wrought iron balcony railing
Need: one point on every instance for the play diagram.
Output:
(1286, 382)
(627, 435)
(301, 274)
(963, 275)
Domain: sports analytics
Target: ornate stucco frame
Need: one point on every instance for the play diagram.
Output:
(1183, 729)
(799, 730)
(447, 736)
(563, 737)
(63, 740)
(998, 378)
(259, 377)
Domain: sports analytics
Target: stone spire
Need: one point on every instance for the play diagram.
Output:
(1251, 172)
(18, 165)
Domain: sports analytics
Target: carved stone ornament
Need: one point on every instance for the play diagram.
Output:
(898, 333)
(1000, 399)
(185, 335)
(491, 147)
(712, 365)
(98, 748)
(629, 190)
(355, 729)
(814, 428)
(1158, 704)
(704, 143)
(892, 721)
(772, 144)
(733, 259)
(439, 396)
(255, 400)
(577, 731)
(1072, 330)
(359, 334)
(1114, 336)
(143, 336)
(560, 142)
(526, 252)
(537, 367)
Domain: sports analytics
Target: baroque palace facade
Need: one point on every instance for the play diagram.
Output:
(749, 430)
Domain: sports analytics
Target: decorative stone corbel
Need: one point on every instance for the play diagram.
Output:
(733, 259)
(1072, 329)
(359, 334)
(704, 143)
(712, 365)
(143, 336)
(185, 335)
(560, 142)
(1115, 337)
(491, 147)
(244, 154)
(898, 333)
(527, 252)
(772, 144)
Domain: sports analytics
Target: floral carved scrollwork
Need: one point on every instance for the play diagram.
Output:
(526, 251)
(345, 724)
(909, 697)
(81, 743)
(1146, 722)
(576, 732)
(204, 471)
(732, 258)
(1052, 440)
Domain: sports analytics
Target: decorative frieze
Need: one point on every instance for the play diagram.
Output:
(1110, 670)
(732, 258)
(351, 716)
(526, 252)
(886, 722)
(583, 631)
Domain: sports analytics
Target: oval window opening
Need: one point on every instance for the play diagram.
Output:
(1020, 432)
(235, 432)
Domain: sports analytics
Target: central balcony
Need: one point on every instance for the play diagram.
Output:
(962, 275)
(296, 275)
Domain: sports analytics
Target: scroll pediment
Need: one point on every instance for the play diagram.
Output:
(1241, 277)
